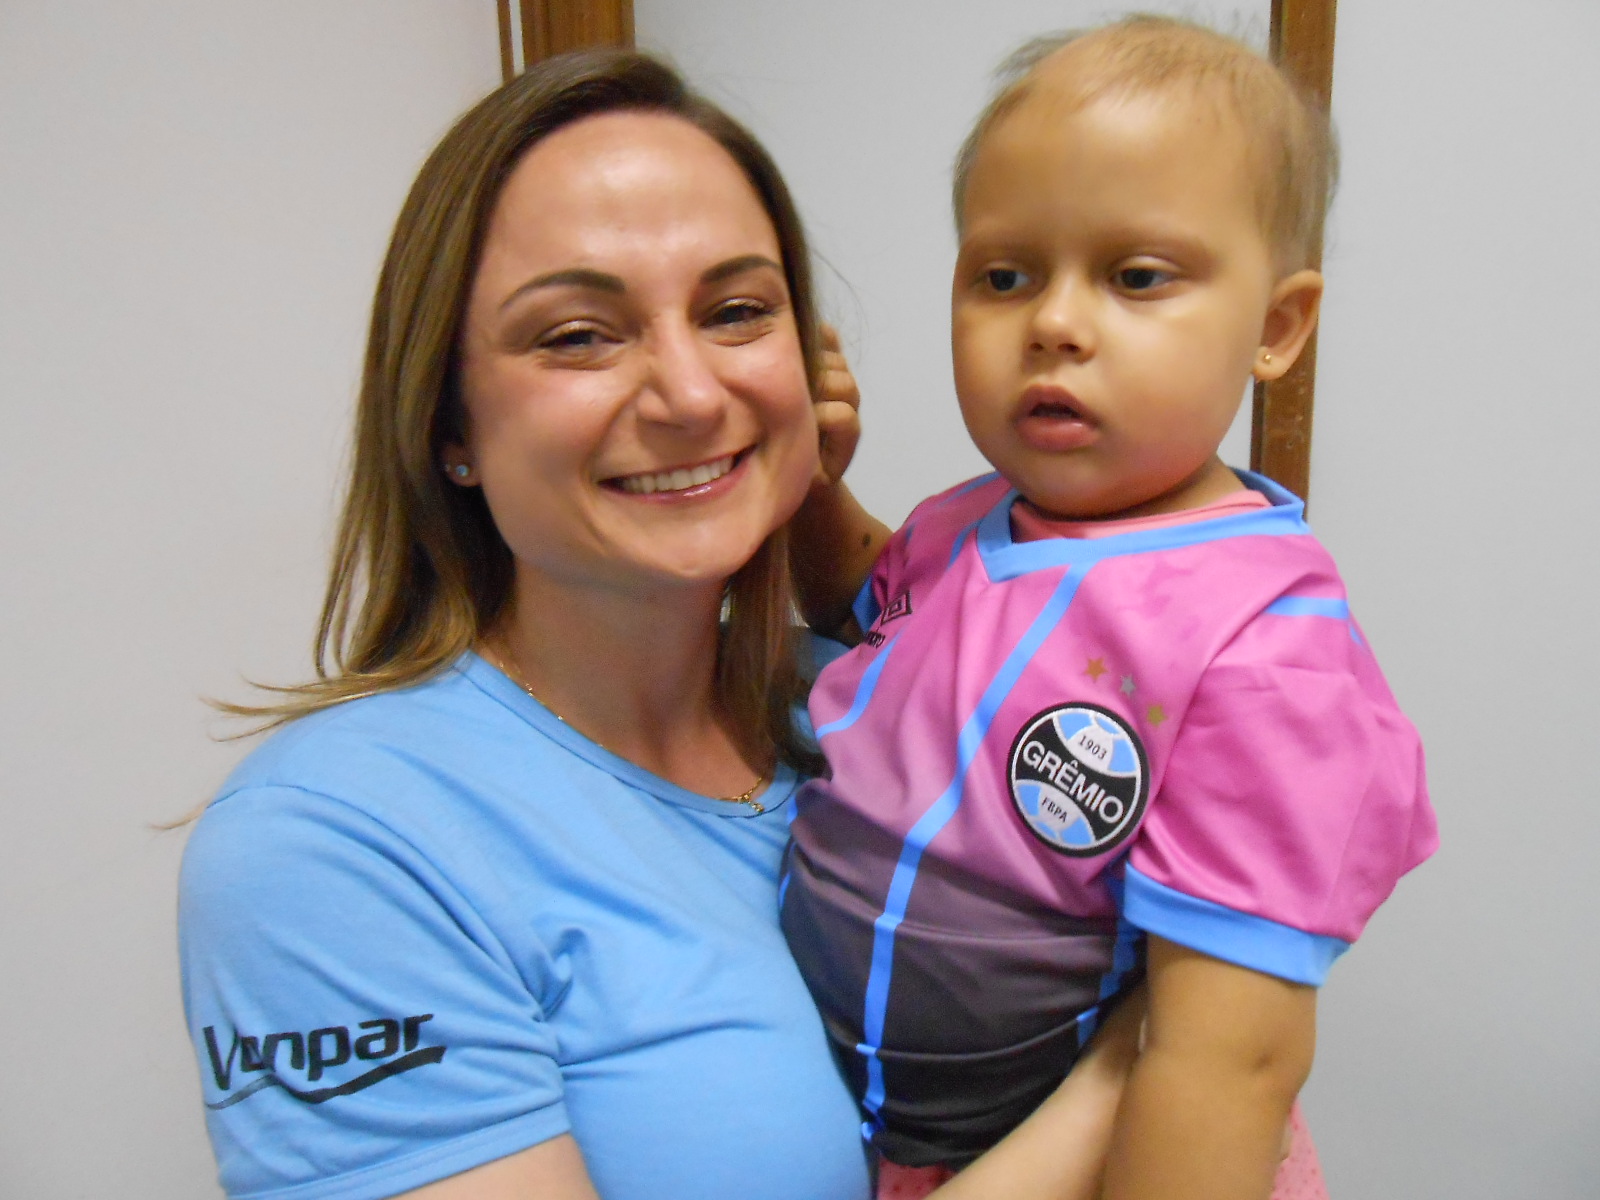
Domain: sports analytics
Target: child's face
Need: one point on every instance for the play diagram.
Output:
(1109, 301)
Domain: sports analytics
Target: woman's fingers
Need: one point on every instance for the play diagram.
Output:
(1121, 1035)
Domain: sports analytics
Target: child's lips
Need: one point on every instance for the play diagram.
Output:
(1051, 419)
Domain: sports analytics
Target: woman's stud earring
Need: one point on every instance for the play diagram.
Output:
(461, 470)
(1265, 357)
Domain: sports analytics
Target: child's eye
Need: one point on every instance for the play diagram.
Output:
(1142, 279)
(1004, 279)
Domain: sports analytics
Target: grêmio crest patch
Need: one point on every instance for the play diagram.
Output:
(1079, 778)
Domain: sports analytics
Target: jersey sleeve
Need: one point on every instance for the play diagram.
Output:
(873, 597)
(360, 1030)
(1292, 802)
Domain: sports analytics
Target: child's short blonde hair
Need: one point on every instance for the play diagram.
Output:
(1289, 136)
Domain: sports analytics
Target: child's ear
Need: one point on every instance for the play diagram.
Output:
(1291, 316)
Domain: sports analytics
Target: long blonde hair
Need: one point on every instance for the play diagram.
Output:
(419, 570)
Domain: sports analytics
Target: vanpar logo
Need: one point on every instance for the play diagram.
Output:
(391, 1042)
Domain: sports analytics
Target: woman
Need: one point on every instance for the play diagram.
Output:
(494, 914)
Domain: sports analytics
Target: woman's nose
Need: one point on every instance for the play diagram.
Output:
(682, 386)
(1063, 320)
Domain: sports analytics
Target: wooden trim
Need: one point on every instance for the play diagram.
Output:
(508, 62)
(556, 26)
(1280, 418)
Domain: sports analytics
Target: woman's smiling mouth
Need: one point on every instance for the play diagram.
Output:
(678, 479)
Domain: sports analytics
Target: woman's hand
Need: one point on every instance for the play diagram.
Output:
(1059, 1153)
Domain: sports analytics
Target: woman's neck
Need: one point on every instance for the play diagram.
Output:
(634, 673)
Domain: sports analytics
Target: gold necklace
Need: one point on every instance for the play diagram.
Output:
(502, 663)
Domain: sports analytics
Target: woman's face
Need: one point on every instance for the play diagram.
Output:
(637, 408)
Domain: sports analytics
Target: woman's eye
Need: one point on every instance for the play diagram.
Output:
(571, 337)
(1142, 279)
(1004, 279)
(739, 312)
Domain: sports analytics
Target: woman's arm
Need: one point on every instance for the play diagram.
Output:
(1226, 1052)
(1059, 1153)
(551, 1170)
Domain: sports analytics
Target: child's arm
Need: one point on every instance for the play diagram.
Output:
(1059, 1153)
(833, 541)
(1226, 1051)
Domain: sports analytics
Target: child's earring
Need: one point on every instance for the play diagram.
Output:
(1265, 357)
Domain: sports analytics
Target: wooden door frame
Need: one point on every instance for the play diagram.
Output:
(534, 29)
(1280, 418)
(1301, 38)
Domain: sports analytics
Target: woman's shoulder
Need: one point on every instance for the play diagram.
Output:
(396, 763)
(337, 749)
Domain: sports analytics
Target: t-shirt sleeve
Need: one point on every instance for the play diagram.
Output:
(1293, 800)
(360, 1031)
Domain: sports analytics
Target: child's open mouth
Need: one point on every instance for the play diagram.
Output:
(1053, 421)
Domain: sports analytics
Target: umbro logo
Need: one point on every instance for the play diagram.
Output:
(389, 1042)
(899, 607)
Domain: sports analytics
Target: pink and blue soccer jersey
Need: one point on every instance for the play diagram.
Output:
(1044, 750)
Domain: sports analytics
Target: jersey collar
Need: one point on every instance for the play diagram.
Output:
(1004, 558)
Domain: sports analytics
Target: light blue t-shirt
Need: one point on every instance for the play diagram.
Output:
(427, 929)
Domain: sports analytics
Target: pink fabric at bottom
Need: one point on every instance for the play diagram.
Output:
(1299, 1175)
(909, 1183)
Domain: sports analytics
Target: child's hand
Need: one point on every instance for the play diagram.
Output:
(833, 541)
(838, 412)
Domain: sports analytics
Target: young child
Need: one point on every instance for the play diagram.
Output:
(1110, 718)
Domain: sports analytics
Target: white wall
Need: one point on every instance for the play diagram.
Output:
(1458, 416)
(195, 198)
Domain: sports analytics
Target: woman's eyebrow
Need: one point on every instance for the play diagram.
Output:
(738, 266)
(571, 277)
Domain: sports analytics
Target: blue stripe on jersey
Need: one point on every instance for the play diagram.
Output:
(961, 540)
(864, 690)
(972, 485)
(1226, 933)
(1309, 606)
(865, 608)
(935, 819)
(1315, 606)
(1124, 957)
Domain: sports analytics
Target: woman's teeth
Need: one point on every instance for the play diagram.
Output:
(676, 481)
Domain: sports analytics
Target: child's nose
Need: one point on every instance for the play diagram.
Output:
(1063, 321)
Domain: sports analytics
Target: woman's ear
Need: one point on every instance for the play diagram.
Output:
(457, 465)
(1291, 316)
